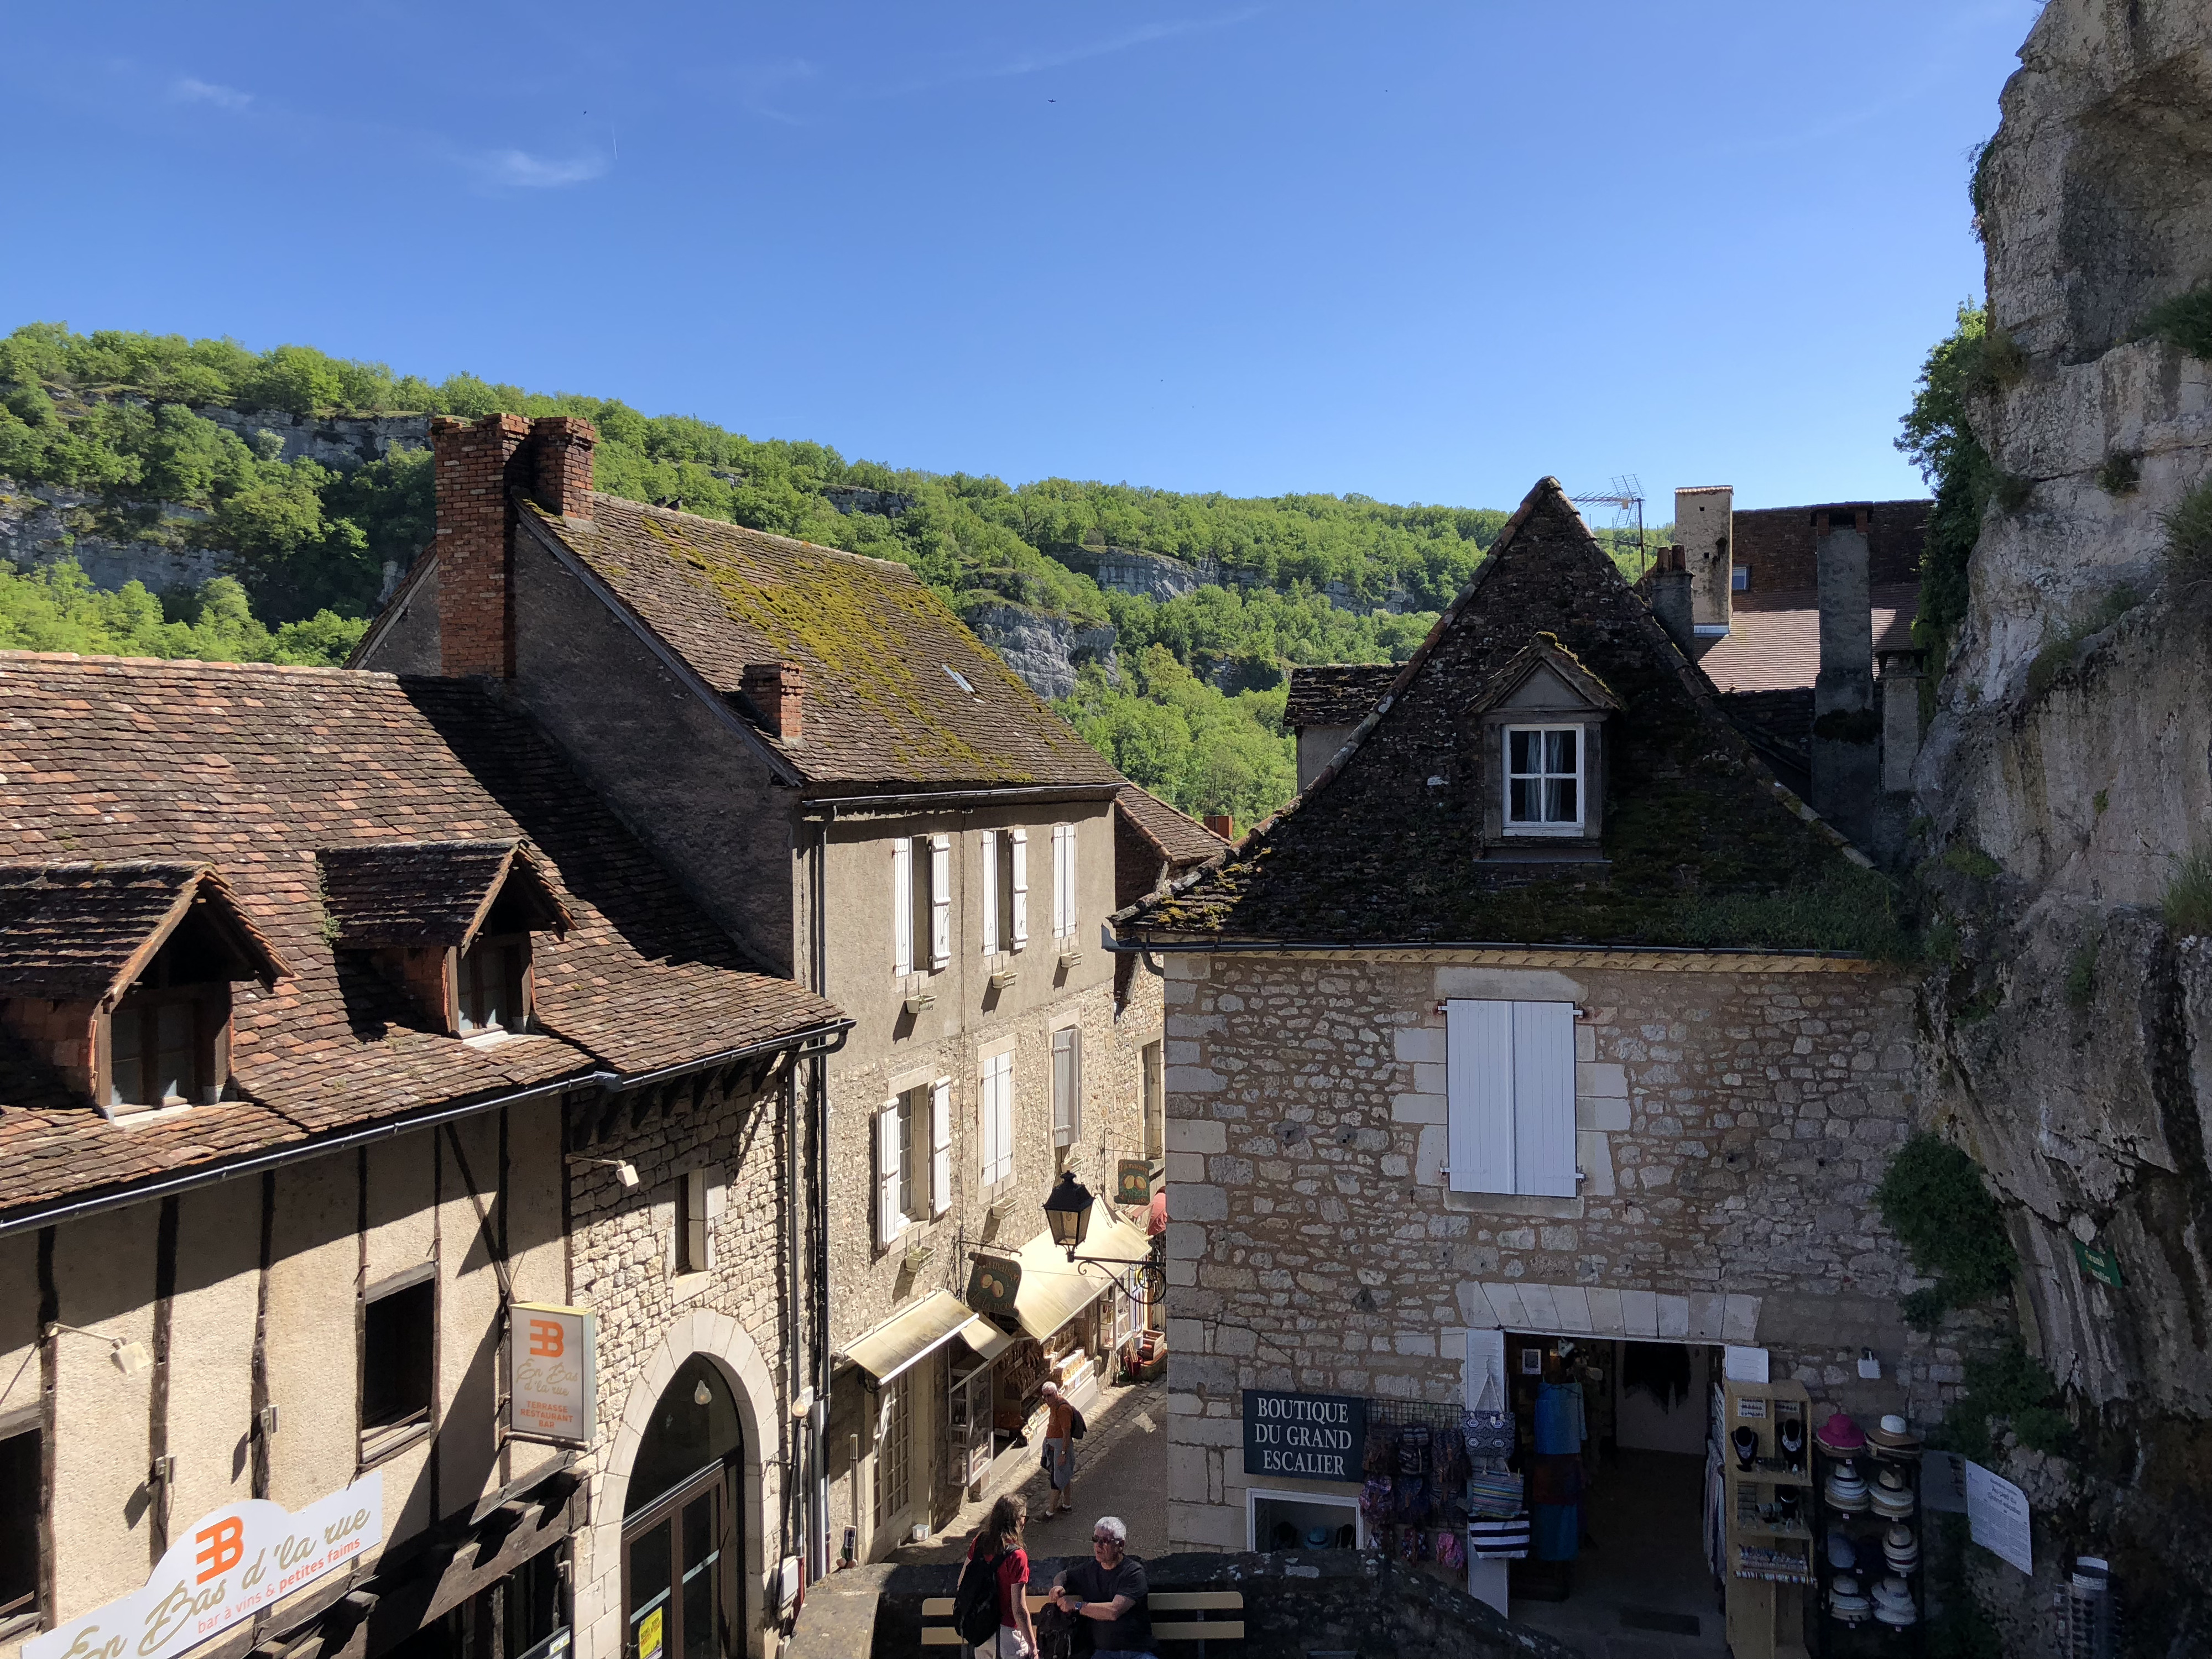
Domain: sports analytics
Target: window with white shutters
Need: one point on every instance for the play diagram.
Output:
(941, 901)
(1509, 1089)
(890, 1171)
(997, 1112)
(1067, 1085)
(902, 905)
(1063, 880)
(1018, 851)
(988, 843)
(940, 1146)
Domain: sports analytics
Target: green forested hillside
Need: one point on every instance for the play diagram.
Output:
(113, 414)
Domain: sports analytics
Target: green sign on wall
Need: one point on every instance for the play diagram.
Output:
(2101, 1265)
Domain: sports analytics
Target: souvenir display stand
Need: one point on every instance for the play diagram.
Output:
(1767, 1460)
(1866, 1546)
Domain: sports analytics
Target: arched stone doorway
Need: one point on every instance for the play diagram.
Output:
(688, 1476)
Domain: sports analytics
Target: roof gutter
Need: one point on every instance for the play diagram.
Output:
(277, 1158)
(829, 807)
(1291, 946)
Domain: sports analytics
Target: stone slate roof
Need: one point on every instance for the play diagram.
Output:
(256, 769)
(882, 709)
(70, 930)
(1774, 639)
(426, 893)
(1180, 841)
(1381, 847)
(1336, 694)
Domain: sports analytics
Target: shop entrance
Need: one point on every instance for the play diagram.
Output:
(1615, 1461)
(679, 1541)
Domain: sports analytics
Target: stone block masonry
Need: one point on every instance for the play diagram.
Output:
(1731, 1128)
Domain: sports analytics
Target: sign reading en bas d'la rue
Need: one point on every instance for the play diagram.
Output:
(235, 1561)
(1305, 1436)
(552, 1358)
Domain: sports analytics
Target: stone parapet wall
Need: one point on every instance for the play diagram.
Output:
(1731, 1126)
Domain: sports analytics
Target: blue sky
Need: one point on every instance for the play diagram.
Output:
(1427, 252)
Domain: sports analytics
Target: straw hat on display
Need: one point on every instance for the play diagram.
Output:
(1847, 1601)
(1839, 1436)
(1893, 1436)
(1847, 1489)
(1892, 1496)
(1900, 1548)
(1892, 1602)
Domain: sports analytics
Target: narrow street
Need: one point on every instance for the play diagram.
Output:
(1120, 1469)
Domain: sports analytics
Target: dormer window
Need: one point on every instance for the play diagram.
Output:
(1543, 780)
(451, 923)
(1541, 736)
(119, 976)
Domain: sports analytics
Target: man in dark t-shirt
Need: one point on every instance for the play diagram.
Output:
(1110, 1589)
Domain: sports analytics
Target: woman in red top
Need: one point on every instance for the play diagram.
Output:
(1001, 1534)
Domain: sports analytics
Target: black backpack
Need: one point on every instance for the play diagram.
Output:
(976, 1603)
(1075, 1423)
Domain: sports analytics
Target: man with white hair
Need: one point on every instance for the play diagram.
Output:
(1111, 1588)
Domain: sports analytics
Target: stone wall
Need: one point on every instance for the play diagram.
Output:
(1044, 649)
(1731, 1125)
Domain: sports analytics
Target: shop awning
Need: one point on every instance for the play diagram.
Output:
(1054, 1291)
(986, 1339)
(904, 1340)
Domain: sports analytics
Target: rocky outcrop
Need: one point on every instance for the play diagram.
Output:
(44, 523)
(1045, 649)
(339, 442)
(2068, 768)
(1125, 570)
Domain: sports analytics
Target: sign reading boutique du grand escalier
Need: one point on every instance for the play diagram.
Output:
(233, 1562)
(1304, 1437)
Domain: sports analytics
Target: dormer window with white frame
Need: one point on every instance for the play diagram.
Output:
(1542, 724)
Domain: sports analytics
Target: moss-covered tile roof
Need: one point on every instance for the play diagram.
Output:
(1702, 847)
(880, 651)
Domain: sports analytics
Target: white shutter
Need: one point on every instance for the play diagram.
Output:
(1063, 1086)
(940, 1146)
(1021, 851)
(902, 905)
(1479, 1096)
(986, 1127)
(940, 901)
(889, 1221)
(1544, 1098)
(1006, 1114)
(1063, 880)
(990, 845)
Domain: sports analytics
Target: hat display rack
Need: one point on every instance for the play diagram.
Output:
(1766, 1458)
(1866, 1541)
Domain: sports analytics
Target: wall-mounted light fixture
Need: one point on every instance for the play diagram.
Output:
(625, 1172)
(130, 1358)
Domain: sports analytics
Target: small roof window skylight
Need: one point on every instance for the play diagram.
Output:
(958, 679)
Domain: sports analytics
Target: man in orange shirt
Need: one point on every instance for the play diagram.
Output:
(1061, 1420)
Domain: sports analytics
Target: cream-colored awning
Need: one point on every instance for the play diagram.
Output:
(986, 1339)
(1053, 1290)
(906, 1339)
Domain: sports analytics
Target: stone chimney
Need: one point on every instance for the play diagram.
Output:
(777, 690)
(1668, 588)
(563, 446)
(1846, 758)
(1704, 529)
(1222, 825)
(477, 464)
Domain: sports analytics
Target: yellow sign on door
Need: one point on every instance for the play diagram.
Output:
(648, 1635)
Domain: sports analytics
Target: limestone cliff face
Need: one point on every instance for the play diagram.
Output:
(2073, 1034)
(1044, 649)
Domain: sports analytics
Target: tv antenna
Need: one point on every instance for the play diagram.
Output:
(1627, 500)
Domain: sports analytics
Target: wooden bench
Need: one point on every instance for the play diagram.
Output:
(1205, 1626)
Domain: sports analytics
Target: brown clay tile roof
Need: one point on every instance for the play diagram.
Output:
(1381, 847)
(1180, 841)
(882, 709)
(1773, 642)
(257, 769)
(70, 930)
(424, 893)
(1337, 693)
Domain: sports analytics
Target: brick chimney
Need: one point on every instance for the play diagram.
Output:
(777, 690)
(1222, 825)
(563, 446)
(477, 466)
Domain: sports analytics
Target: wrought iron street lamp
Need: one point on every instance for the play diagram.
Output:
(1068, 1212)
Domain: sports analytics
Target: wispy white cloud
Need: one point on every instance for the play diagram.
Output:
(761, 86)
(1031, 63)
(192, 91)
(518, 169)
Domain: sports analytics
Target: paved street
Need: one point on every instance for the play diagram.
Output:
(1121, 1469)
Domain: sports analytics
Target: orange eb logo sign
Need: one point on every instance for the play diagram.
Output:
(221, 1547)
(546, 1338)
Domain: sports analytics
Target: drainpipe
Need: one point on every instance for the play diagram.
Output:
(817, 1084)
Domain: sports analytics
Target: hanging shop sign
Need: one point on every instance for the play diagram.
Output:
(1306, 1437)
(1998, 1517)
(2103, 1266)
(552, 1362)
(1133, 1182)
(235, 1561)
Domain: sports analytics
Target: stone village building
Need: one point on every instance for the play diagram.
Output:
(338, 1022)
(1513, 1035)
(844, 778)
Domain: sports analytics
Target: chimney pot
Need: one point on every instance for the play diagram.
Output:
(1669, 591)
(777, 690)
(564, 447)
